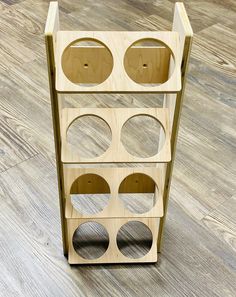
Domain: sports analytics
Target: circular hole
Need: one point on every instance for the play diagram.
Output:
(137, 192)
(90, 240)
(90, 194)
(134, 239)
(89, 136)
(87, 62)
(140, 136)
(147, 61)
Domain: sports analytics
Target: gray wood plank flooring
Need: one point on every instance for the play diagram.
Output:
(198, 256)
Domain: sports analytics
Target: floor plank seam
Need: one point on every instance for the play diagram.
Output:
(215, 209)
(19, 163)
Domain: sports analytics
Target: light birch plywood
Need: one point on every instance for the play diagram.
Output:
(140, 183)
(117, 43)
(113, 65)
(51, 28)
(174, 102)
(32, 263)
(115, 118)
(92, 64)
(113, 254)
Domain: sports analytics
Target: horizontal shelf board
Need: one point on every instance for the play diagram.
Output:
(118, 81)
(113, 181)
(113, 253)
(115, 118)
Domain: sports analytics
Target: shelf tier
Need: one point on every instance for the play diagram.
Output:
(142, 61)
(113, 254)
(114, 181)
(115, 119)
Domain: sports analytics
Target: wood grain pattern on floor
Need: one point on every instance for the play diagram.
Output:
(198, 256)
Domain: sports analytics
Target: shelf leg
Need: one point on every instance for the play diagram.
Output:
(174, 102)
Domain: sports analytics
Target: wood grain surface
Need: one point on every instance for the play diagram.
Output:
(198, 253)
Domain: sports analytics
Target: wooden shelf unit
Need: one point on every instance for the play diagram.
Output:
(116, 62)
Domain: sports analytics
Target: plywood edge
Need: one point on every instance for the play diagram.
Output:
(52, 16)
(179, 6)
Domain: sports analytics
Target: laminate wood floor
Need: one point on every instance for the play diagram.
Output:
(198, 254)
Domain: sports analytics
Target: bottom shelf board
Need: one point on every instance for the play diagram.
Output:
(113, 229)
(128, 261)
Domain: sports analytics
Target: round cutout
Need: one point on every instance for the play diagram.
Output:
(140, 136)
(134, 239)
(87, 62)
(147, 61)
(137, 192)
(90, 194)
(90, 240)
(89, 136)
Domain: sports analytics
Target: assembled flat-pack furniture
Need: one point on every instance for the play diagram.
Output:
(120, 62)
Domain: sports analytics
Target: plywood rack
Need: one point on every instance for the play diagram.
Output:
(116, 62)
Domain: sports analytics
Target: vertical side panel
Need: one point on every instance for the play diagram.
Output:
(51, 28)
(174, 102)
